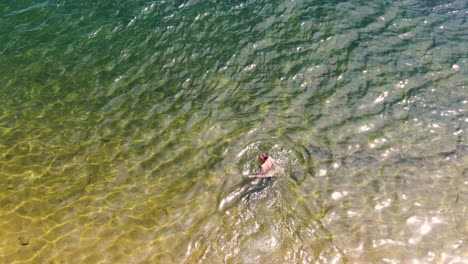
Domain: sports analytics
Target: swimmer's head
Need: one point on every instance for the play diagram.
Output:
(264, 157)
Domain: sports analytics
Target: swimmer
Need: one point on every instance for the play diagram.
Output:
(268, 163)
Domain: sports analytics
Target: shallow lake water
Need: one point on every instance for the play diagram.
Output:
(128, 130)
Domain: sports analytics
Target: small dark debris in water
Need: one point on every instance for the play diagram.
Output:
(105, 140)
(24, 241)
(8, 156)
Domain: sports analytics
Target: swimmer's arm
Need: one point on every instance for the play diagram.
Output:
(260, 176)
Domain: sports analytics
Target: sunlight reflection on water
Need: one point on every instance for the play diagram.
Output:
(128, 130)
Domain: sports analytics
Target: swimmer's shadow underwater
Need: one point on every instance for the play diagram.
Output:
(269, 170)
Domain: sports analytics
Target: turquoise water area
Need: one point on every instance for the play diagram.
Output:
(128, 130)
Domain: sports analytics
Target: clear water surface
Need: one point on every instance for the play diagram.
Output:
(127, 130)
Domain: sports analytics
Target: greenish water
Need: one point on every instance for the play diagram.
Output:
(127, 130)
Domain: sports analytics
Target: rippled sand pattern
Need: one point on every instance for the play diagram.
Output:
(128, 130)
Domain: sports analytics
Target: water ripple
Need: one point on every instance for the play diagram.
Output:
(127, 130)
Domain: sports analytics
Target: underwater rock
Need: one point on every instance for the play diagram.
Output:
(24, 240)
